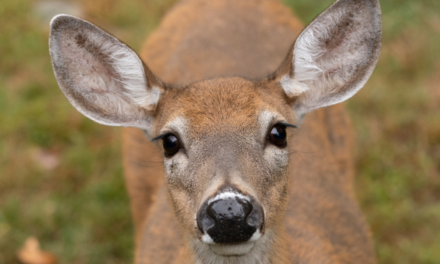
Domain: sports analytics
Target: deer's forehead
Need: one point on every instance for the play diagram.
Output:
(220, 106)
(216, 105)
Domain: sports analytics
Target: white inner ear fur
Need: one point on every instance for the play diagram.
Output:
(129, 68)
(332, 58)
(132, 76)
(293, 87)
(315, 65)
(108, 75)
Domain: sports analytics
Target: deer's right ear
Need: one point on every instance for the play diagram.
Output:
(102, 77)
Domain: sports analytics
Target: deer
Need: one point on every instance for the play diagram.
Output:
(241, 106)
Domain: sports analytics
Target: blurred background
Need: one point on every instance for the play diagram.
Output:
(61, 174)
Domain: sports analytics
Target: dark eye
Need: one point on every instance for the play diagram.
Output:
(170, 145)
(277, 136)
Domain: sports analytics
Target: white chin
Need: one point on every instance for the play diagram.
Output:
(232, 250)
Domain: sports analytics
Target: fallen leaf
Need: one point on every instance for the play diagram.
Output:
(31, 253)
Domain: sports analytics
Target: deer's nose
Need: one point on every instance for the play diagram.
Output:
(230, 220)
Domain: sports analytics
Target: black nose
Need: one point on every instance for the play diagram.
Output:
(230, 220)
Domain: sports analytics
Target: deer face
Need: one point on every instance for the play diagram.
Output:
(226, 158)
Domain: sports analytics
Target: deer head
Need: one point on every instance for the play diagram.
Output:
(225, 140)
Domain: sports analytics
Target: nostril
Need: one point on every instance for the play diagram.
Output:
(204, 222)
(253, 219)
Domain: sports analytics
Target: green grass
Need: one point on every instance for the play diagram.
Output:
(80, 210)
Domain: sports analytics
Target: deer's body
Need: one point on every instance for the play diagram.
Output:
(234, 187)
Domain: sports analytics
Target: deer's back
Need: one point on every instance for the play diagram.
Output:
(199, 40)
(203, 39)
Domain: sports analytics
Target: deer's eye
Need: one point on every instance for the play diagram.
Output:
(171, 145)
(278, 136)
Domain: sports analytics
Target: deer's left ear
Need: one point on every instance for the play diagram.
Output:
(334, 56)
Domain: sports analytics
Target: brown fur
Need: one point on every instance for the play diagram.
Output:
(199, 40)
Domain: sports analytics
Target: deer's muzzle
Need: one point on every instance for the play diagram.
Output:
(230, 218)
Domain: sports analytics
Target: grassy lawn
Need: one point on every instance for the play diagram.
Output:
(61, 174)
